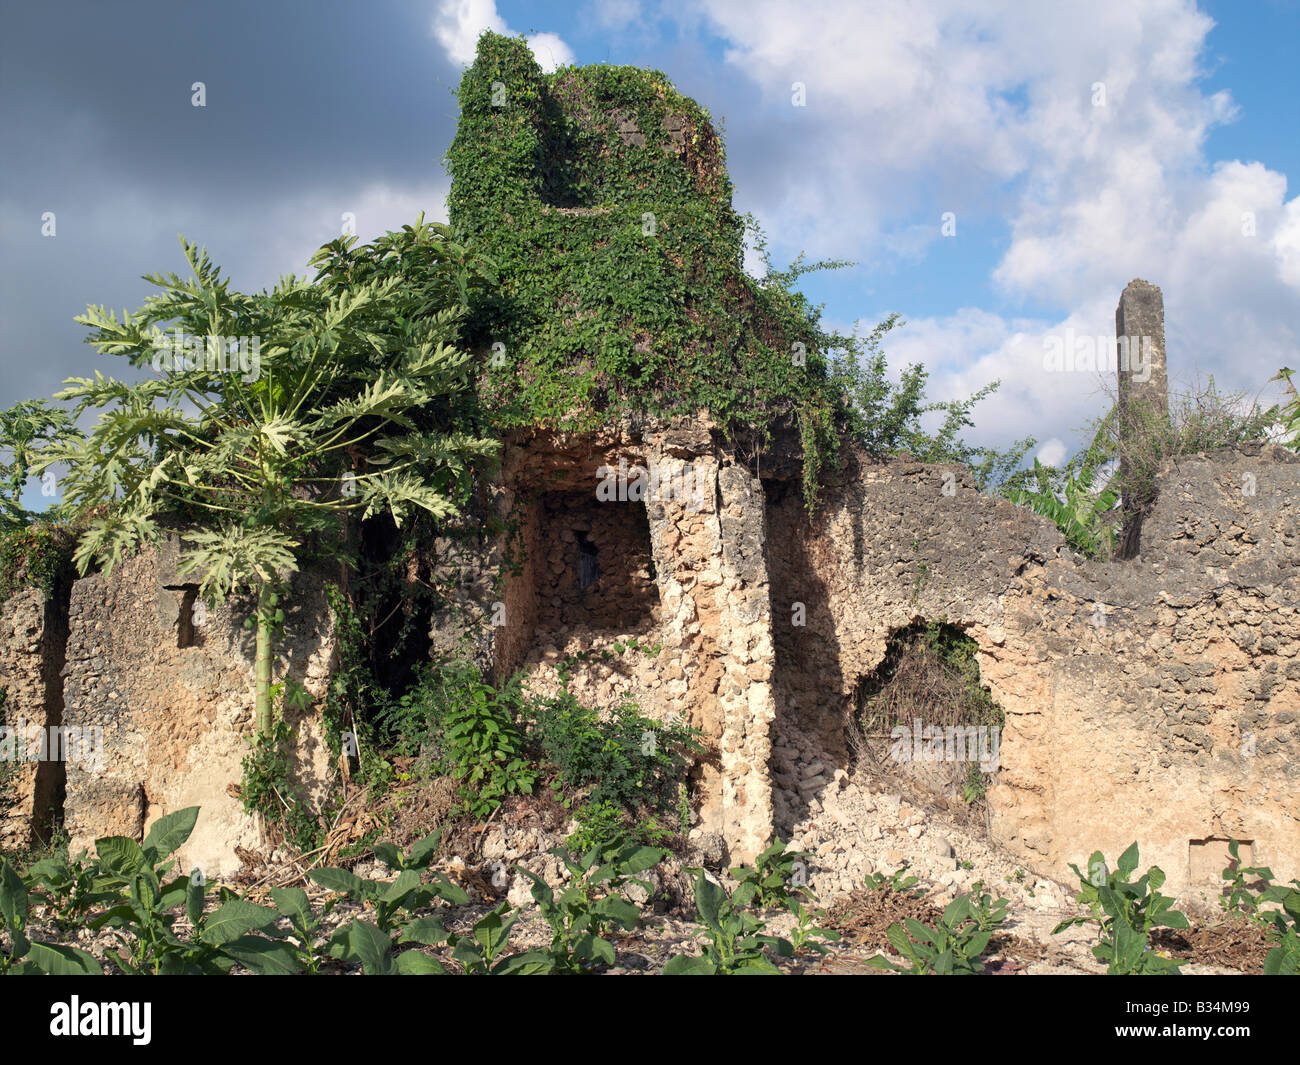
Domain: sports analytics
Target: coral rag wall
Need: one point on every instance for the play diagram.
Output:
(175, 719)
(33, 632)
(1154, 699)
(681, 572)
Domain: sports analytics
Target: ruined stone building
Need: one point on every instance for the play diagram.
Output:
(1153, 698)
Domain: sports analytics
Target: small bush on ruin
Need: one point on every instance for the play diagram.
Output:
(1084, 496)
(929, 674)
(626, 758)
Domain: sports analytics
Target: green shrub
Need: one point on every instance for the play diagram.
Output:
(953, 947)
(735, 941)
(778, 875)
(592, 904)
(1126, 912)
(629, 760)
(483, 750)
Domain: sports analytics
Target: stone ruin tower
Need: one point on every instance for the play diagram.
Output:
(602, 195)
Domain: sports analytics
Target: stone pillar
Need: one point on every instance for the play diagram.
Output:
(708, 546)
(1143, 398)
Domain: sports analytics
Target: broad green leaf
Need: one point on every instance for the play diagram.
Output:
(13, 897)
(428, 931)
(120, 854)
(340, 880)
(233, 919)
(416, 963)
(169, 832)
(263, 956)
(54, 959)
(423, 850)
(685, 965)
(366, 944)
(294, 904)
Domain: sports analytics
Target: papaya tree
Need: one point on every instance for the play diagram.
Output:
(26, 430)
(264, 422)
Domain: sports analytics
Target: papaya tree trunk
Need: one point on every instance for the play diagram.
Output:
(262, 662)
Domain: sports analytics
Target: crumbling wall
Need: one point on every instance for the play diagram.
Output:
(174, 720)
(33, 629)
(1154, 699)
(679, 618)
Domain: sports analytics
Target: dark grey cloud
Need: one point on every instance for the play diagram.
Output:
(308, 105)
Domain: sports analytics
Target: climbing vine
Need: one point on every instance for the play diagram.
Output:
(602, 196)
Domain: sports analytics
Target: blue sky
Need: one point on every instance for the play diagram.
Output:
(913, 108)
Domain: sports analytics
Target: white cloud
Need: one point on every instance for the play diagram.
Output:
(1052, 453)
(459, 24)
(917, 107)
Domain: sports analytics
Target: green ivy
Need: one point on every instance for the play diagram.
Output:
(620, 264)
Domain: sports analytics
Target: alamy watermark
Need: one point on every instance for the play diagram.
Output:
(177, 351)
(53, 743)
(654, 485)
(1068, 353)
(947, 743)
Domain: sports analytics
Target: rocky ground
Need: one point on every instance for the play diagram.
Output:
(850, 826)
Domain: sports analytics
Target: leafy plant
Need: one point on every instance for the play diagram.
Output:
(26, 430)
(25, 957)
(405, 894)
(1241, 898)
(583, 914)
(143, 920)
(777, 875)
(1125, 912)
(625, 758)
(807, 934)
(900, 881)
(483, 951)
(484, 751)
(1289, 413)
(1081, 507)
(953, 947)
(735, 941)
(305, 925)
(374, 949)
(354, 402)
(69, 887)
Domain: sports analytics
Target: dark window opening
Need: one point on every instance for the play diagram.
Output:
(190, 615)
(588, 563)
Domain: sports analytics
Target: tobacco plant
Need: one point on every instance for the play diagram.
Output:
(1126, 912)
(735, 940)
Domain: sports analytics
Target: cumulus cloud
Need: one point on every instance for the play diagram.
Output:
(1079, 131)
(458, 25)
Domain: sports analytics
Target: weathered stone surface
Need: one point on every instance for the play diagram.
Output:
(33, 630)
(175, 719)
(1140, 701)
(1155, 700)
